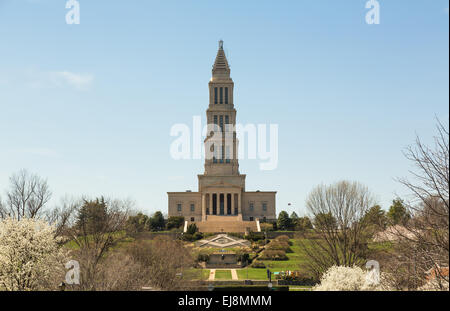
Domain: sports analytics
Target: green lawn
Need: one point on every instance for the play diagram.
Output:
(253, 274)
(296, 258)
(223, 275)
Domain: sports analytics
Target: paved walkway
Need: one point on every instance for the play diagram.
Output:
(212, 275)
(234, 275)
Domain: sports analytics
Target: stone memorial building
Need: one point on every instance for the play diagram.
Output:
(222, 203)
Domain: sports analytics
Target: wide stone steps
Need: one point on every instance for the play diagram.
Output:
(214, 225)
(215, 218)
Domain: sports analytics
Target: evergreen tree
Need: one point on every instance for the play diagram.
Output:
(304, 223)
(157, 222)
(376, 216)
(92, 216)
(284, 222)
(397, 213)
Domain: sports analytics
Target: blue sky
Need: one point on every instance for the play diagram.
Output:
(90, 106)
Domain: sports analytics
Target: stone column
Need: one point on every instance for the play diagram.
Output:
(203, 207)
(239, 206)
(232, 204)
(210, 203)
(225, 202)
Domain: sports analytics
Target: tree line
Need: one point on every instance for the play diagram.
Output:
(375, 217)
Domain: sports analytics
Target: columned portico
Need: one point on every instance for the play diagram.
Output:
(221, 203)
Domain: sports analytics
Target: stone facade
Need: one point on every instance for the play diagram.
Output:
(222, 198)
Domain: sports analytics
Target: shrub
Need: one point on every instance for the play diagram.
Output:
(192, 237)
(198, 236)
(262, 242)
(258, 264)
(298, 279)
(284, 239)
(187, 237)
(175, 222)
(191, 229)
(244, 257)
(202, 257)
(275, 245)
(254, 236)
(273, 255)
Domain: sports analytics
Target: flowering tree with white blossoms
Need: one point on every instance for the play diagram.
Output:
(341, 278)
(30, 257)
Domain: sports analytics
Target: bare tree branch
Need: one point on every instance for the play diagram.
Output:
(424, 244)
(338, 211)
(27, 196)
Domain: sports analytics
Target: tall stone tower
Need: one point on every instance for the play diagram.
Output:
(222, 204)
(221, 163)
(221, 116)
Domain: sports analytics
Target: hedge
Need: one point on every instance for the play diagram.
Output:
(273, 255)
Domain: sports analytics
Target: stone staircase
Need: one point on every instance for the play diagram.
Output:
(217, 224)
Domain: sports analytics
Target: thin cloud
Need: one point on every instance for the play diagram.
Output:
(42, 152)
(37, 79)
(77, 80)
(59, 79)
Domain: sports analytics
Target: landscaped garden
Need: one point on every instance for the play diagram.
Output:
(288, 254)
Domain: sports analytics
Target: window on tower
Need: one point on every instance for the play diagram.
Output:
(221, 95)
(215, 96)
(226, 96)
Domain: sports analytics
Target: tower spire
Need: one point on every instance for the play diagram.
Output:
(221, 69)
